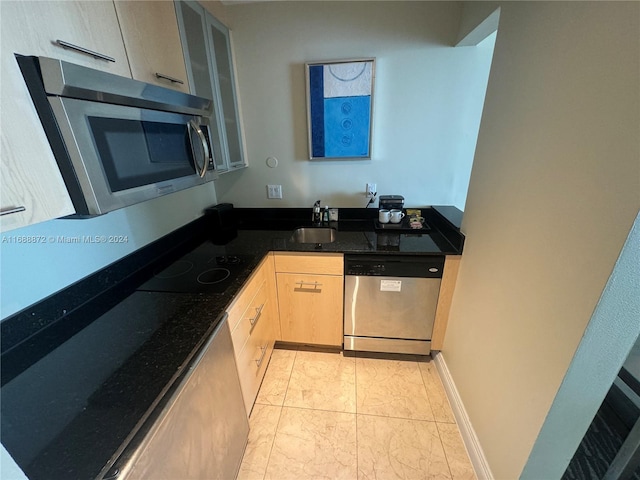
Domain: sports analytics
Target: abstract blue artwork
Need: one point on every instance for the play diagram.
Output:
(339, 98)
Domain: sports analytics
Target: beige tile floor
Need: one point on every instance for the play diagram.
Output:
(324, 415)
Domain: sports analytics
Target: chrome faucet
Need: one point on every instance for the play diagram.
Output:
(316, 216)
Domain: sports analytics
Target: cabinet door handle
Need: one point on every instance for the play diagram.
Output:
(86, 51)
(261, 359)
(9, 211)
(167, 77)
(256, 317)
(302, 284)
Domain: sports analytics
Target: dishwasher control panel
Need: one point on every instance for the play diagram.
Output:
(394, 265)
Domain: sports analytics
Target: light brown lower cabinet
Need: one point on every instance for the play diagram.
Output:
(298, 298)
(253, 320)
(310, 300)
(447, 287)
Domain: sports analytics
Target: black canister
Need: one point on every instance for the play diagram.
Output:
(223, 223)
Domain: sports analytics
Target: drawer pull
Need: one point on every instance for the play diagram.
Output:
(9, 211)
(167, 77)
(261, 359)
(255, 319)
(86, 51)
(302, 284)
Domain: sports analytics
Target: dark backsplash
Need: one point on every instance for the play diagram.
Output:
(126, 273)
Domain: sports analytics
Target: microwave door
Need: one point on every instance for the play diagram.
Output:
(199, 148)
(122, 155)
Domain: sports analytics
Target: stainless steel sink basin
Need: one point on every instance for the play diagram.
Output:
(314, 235)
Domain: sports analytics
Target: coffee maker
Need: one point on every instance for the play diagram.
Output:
(391, 202)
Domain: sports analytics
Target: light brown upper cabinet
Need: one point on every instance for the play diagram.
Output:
(32, 187)
(152, 40)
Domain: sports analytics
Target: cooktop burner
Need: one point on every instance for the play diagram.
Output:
(215, 275)
(202, 270)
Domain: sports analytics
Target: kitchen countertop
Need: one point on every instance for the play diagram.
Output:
(261, 230)
(80, 376)
(258, 242)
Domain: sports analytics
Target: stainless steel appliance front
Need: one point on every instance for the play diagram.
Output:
(390, 303)
(202, 432)
(119, 141)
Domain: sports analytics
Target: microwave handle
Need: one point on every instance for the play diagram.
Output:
(192, 125)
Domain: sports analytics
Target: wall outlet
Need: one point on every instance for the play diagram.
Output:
(274, 191)
(371, 190)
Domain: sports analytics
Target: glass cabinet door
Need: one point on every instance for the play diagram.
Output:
(221, 47)
(207, 50)
(200, 74)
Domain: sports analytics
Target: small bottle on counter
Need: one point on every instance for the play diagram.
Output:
(325, 214)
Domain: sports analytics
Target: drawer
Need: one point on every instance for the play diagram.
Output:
(319, 263)
(255, 313)
(253, 359)
(246, 295)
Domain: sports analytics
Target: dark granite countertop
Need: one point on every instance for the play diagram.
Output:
(82, 370)
(262, 230)
(259, 242)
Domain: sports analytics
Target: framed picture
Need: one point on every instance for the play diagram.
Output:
(339, 108)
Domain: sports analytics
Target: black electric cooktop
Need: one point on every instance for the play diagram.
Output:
(202, 270)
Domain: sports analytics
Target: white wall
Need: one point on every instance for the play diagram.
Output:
(32, 271)
(609, 337)
(427, 102)
(553, 194)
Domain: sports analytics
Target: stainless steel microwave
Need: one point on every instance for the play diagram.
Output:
(118, 141)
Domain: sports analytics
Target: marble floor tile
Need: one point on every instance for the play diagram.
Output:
(397, 448)
(276, 379)
(456, 453)
(313, 444)
(392, 388)
(263, 424)
(324, 381)
(435, 391)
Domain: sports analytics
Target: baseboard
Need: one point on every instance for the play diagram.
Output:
(469, 437)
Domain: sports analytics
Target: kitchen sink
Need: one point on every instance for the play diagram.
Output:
(314, 235)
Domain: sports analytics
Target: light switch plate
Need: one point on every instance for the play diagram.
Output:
(274, 191)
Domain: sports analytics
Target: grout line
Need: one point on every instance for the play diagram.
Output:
(399, 418)
(426, 390)
(275, 434)
(444, 450)
(318, 410)
(293, 365)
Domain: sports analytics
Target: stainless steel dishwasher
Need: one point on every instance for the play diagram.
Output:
(390, 302)
(202, 431)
